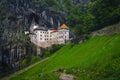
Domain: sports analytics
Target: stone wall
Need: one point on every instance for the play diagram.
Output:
(107, 30)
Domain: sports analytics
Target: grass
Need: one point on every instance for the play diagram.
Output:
(96, 59)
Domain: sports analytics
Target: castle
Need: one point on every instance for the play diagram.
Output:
(45, 38)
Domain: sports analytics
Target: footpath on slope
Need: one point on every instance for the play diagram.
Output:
(23, 70)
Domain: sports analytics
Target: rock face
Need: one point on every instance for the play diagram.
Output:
(12, 11)
(26, 10)
(84, 2)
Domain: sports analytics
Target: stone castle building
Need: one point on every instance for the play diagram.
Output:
(44, 37)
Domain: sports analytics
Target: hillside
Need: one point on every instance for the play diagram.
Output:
(96, 59)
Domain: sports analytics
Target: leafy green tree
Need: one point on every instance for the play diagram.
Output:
(75, 19)
(88, 23)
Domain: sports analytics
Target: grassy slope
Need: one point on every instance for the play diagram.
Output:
(96, 59)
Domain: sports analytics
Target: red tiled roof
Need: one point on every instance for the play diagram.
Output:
(63, 26)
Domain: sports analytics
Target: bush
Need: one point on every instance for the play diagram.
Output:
(55, 47)
(31, 61)
(47, 53)
(50, 51)
(35, 59)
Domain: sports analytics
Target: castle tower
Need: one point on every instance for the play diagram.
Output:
(33, 25)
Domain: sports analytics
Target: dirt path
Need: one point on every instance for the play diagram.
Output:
(23, 70)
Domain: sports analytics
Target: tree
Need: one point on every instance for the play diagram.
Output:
(88, 23)
(105, 12)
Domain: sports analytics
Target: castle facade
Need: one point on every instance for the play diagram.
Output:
(44, 37)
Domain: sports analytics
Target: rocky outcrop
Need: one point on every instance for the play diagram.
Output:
(65, 76)
(26, 10)
(85, 3)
